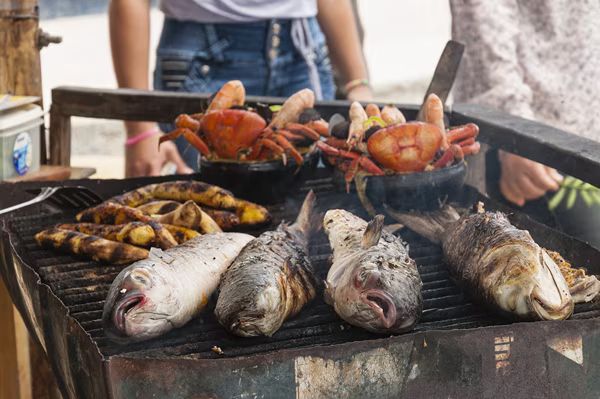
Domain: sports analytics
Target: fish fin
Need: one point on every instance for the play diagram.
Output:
(431, 225)
(373, 232)
(159, 254)
(393, 228)
(308, 220)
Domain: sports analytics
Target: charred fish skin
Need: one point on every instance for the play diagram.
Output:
(271, 280)
(373, 283)
(498, 264)
(498, 261)
(165, 291)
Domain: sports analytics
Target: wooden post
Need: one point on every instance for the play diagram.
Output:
(60, 137)
(20, 74)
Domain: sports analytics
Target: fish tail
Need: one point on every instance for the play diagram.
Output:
(431, 225)
(308, 220)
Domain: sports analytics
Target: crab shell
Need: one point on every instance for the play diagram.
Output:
(406, 147)
(230, 131)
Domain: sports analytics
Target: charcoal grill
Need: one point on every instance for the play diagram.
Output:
(458, 348)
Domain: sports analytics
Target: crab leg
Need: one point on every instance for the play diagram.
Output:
(365, 162)
(453, 152)
(271, 145)
(471, 149)
(462, 132)
(351, 172)
(304, 130)
(467, 142)
(191, 138)
(187, 122)
(285, 144)
(290, 135)
(320, 126)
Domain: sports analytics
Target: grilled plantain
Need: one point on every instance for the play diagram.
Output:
(225, 219)
(159, 207)
(111, 213)
(205, 194)
(96, 248)
(134, 233)
(181, 234)
(191, 216)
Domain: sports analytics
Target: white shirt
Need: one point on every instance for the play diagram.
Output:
(539, 59)
(224, 11)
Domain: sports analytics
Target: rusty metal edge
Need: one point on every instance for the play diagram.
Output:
(32, 320)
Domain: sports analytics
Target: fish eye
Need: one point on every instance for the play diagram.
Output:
(140, 277)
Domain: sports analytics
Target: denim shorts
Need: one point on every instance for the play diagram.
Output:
(196, 57)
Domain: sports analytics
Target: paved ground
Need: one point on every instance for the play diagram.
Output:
(403, 41)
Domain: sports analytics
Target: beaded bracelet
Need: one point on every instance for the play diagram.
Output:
(353, 84)
(140, 136)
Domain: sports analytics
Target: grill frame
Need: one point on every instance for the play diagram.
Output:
(419, 364)
(84, 372)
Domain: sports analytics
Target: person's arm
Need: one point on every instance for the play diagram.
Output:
(130, 41)
(338, 23)
(489, 30)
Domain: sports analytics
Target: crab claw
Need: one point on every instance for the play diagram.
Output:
(454, 152)
(191, 138)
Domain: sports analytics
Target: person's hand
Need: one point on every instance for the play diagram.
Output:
(145, 159)
(522, 180)
(360, 93)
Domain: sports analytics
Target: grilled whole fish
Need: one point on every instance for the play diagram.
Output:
(165, 291)
(249, 214)
(95, 248)
(499, 265)
(372, 283)
(271, 280)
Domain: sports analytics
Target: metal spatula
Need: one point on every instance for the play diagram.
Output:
(65, 197)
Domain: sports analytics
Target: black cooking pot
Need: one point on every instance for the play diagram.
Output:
(406, 191)
(262, 182)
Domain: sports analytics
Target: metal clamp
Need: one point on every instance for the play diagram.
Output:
(45, 38)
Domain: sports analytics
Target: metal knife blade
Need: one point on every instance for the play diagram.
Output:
(445, 73)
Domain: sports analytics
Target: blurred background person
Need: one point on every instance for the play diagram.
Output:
(275, 47)
(539, 60)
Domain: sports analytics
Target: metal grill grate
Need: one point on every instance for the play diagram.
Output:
(82, 286)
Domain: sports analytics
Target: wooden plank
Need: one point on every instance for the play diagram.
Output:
(60, 136)
(567, 152)
(131, 104)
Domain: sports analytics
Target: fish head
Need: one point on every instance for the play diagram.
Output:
(374, 300)
(533, 287)
(140, 304)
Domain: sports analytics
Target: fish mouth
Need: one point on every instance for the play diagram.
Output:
(547, 311)
(126, 304)
(382, 304)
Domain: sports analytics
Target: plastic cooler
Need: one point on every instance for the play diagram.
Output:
(20, 140)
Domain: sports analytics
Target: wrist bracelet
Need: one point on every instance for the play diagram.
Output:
(353, 84)
(140, 136)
